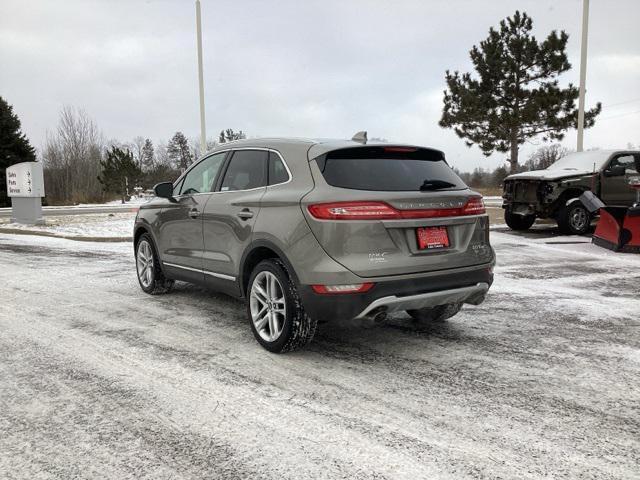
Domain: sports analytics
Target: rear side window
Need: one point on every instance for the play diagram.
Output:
(396, 169)
(277, 171)
(247, 169)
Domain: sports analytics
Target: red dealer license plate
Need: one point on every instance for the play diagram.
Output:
(432, 237)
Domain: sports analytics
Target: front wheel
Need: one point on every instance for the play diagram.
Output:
(435, 314)
(574, 219)
(277, 318)
(518, 222)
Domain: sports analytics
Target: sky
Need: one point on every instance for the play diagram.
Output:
(312, 68)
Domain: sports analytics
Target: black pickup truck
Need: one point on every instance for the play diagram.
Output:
(554, 192)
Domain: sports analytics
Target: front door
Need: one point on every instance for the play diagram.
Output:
(615, 189)
(229, 217)
(180, 234)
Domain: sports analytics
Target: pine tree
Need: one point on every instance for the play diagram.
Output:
(516, 95)
(148, 155)
(119, 172)
(14, 146)
(229, 135)
(178, 151)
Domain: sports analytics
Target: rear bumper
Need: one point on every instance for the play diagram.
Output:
(434, 288)
(474, 294)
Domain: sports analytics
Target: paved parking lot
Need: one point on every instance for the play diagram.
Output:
(99, 380)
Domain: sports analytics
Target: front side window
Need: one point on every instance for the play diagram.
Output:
(247, 169)
(277, 171)
(201, 178)
(626, 161)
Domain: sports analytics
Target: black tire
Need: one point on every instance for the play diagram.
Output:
(158, 283)
(518, 222)
(299, 328)
(435, 314)
(574, 219)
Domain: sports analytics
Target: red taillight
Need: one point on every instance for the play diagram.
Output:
(384, 211)
(338, 289)
(475, 206)
(353, 211)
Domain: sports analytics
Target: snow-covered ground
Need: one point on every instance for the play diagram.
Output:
(89, 226)
(98, 380)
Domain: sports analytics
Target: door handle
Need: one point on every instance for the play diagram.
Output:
(245, 214)
(194, 213)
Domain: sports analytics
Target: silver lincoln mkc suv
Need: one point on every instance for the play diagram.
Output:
(319, 230)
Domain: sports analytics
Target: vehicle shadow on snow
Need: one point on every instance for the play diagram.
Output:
(331, 336)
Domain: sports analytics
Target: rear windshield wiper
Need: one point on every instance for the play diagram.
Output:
(429, 185)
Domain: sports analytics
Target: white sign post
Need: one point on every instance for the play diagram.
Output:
(25, 186)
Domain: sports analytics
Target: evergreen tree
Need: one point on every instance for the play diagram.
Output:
(498, 176)
(119, 172)
(178, 151)
(148, 155)
(229, 135)
(516, 95)
(14, 146)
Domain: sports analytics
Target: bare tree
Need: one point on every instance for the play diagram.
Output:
(546, 156)
(137, 144)
(194, 146)
(162, 154)
(72, 158)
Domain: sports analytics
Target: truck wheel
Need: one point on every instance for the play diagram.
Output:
(276, 315)
(150, 276)
(435, 314)
(518, 222)
(574, 219)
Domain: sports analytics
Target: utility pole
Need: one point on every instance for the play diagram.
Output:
(583, 73)
(203, 129)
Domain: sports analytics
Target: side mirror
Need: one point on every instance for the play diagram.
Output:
(163, 190)
(616, 171)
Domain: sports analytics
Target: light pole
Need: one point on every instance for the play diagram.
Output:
(203, 130)
(583, 73)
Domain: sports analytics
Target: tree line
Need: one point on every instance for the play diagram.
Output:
(542, 158)
(82, 167)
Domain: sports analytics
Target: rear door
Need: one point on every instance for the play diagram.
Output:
(395, 210)
(180, 232)
(230, 214)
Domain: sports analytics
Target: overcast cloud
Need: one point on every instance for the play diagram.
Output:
(291, 68)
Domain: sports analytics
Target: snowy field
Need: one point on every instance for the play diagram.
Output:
(98, 380)
(94, 226)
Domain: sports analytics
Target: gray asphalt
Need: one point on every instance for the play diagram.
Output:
(98, 380)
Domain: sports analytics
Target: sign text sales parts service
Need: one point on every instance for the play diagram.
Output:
(25, 180)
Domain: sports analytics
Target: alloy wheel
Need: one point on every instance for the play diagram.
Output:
(144, 263)
(268, 307)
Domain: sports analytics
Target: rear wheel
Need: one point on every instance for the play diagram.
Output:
(574, 219)
(435, 314)
(150, 276)
(278, 320)
(518, 222)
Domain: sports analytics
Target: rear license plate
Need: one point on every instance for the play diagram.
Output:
(432, 237)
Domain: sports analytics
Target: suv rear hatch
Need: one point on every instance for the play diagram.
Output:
(391, 210)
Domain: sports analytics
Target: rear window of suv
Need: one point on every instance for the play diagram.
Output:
(390, 168)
